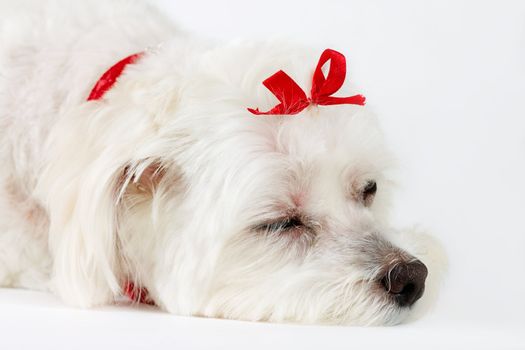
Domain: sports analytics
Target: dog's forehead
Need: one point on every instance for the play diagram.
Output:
(333, 142)
(309, 160)
(320, 151)
(334, 136)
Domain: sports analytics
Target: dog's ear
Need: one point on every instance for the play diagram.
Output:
(141, 179)
(82, 212)
(96, 158)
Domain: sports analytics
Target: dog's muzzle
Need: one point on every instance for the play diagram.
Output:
(405, 282)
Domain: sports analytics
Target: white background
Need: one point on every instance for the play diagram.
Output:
(447, 80)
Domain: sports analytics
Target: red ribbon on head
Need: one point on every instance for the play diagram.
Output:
(293, 99)
(109, 78)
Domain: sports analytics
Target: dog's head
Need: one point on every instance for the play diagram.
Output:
(274, 217)
(295, 207)
(226, 214)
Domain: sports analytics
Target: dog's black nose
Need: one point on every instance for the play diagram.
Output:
(406, 282)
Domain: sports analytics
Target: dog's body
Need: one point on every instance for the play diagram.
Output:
(49, 60)
(169, 181)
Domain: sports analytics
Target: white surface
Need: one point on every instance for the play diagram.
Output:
(40, 320)
(447, 80)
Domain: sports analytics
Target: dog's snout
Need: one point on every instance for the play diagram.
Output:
(406, 282)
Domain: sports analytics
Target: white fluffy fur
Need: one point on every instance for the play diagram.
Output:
(164, 181)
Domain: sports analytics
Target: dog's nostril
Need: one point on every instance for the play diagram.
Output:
(406, 282)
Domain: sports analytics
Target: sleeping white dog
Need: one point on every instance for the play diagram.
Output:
(177, 173)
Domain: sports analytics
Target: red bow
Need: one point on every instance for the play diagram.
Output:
(109, 78)
(293, 99)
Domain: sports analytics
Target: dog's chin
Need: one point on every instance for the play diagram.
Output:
(395, 317)
(386, 313)
(357, 305)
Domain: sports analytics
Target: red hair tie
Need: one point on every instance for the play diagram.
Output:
(109, 78)
(293, 99)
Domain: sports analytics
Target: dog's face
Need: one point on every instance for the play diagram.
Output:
(299, 203)
(278, 218)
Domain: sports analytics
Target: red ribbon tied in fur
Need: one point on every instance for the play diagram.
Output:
(109, 78)
(293, 99)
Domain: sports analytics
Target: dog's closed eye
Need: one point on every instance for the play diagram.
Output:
(298, 229)
(282, 224)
